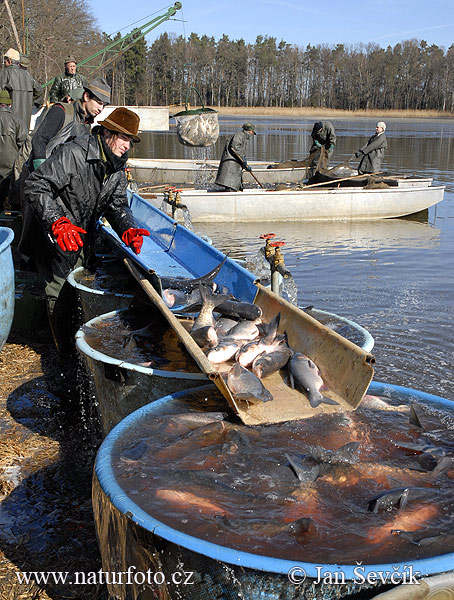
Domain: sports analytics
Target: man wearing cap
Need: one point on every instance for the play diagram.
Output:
(65, 120)
(233, 160)
(25, 92)
(66, 82)
(323, 134)
(12, 135)
(83, 180)
(373, 152)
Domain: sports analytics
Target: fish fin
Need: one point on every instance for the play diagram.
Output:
(403, 498)
(326, 400)
(414, 419)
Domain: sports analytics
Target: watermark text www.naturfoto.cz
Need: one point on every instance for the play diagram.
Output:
(129, 577)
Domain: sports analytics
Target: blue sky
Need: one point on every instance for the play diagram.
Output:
(299, 22)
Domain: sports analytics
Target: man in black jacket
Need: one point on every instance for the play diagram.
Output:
(83, 180)
(95, 96)
(12, 135)
(25, 92)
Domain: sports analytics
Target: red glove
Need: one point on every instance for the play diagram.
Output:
(134, 237)
(67, 234)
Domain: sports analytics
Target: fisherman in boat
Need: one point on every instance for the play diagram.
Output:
(233, 160)
(25, 92)
(67, 82)
(83, 180)
(12, 136)
(373, 152)
(323, 136)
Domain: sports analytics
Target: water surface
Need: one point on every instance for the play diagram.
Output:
(394, 277)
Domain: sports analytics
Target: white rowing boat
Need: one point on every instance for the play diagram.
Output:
(202, 173)
(311, 204)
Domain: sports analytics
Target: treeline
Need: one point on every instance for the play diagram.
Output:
(411, 75)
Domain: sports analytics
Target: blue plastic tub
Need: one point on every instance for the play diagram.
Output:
(130, 536)
(123, 387)
(6, 284)
(97, 302)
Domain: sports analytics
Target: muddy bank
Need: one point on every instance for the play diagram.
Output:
(47, 449)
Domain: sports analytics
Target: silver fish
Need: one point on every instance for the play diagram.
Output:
(198, 418)
(244, 385)
(205, 336)
(244, 330)
(398, 497)
(269, 362)
(224, 325)
(305, 375)
(203, 330)
(210, 301)
(175, 297)
(224, 351)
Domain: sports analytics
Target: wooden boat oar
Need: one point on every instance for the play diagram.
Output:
(312, 185)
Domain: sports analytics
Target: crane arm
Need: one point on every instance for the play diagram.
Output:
(118, 47)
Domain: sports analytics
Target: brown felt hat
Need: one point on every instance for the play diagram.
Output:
(123, 120)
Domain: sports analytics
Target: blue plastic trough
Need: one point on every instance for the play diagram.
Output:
(132, 538)
(6, 284)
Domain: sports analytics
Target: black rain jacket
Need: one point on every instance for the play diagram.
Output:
(76, 182)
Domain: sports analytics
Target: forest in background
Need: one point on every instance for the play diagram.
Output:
(411, 75)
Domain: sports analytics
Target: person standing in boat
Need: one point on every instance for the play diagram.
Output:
(373, 152)
(83, 180)
(322, 136)
(67, 82)
(233, 160)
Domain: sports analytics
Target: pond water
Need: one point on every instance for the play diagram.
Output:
(394, 277)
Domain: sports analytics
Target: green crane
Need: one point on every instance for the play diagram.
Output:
(110, 53)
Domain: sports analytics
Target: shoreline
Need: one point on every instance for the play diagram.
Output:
(333, 113)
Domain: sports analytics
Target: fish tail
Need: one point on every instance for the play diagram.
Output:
(209, 297)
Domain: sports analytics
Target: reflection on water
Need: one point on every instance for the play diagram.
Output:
(395, 276)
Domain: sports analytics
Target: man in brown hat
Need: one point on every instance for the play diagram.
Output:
(80, 182)
(25, 92)
(66, 82)
(233, 160)
(65, 120)
(12, 135)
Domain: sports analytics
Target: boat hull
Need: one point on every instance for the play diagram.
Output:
(343, 204)
(202, 173)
